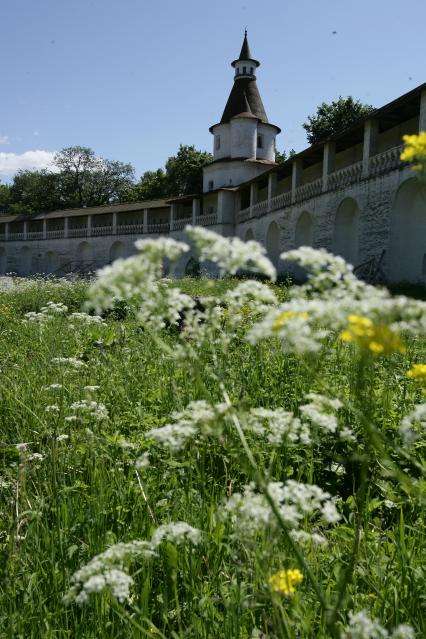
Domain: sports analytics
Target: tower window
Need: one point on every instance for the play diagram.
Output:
(238, 71)
(251, 70)
(260, 141)
(244, 70)
(210, 185)
(217, 142)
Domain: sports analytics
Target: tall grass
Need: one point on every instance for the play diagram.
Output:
(86, 493)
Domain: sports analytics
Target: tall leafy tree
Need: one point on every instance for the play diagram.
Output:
(183, 175)
(333, 117)
(4, 197)
(35, 192)
(151, 186)
(184, 171)
(88, 180)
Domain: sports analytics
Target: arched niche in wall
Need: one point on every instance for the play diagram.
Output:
(193, 267)
(117, 250)
(303, 235)
(24, 265)
(51, 262)
(273, 242)
(249, 235)
(84, 252)
(407, 254)
(3, 260)
(346, 231)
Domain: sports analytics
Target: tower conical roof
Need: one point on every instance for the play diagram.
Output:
(245, 53)
(244, 94)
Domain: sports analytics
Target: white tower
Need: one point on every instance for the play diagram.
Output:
(244, 141)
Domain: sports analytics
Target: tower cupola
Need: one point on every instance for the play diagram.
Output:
(244, 139)
(245, 66)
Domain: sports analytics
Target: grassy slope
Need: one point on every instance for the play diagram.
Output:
(57, 514)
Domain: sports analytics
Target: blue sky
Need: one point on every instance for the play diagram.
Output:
(135, 78)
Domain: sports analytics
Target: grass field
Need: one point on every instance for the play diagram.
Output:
(287, 501)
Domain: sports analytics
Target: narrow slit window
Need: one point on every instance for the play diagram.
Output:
(217, 145)
(260, 141)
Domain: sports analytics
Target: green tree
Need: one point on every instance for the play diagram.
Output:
(151, 186)
(35, 192)
(88, 180)
(183, 175)
(333, 117)
(4, 198)
(282, 157)
(184, 171)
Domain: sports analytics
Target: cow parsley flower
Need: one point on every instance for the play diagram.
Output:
(277, 425)
(178, 532)
(106, 572)
(361, 626)
(250, 512)
(320, 411)
(230, 253)
(410, 424)
(88, 409)
(72, 362)
(199, 417)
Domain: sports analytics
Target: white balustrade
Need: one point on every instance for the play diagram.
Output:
(259, 208)
(102, 230)
(244, 214)
(280, 201)
(179, 225)
(311, 189)
(345, 177)
(386, 161)
(207, 220)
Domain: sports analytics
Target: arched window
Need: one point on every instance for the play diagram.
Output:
(249, 235)
(304, 231)
(273, 242)
(346, 231)
(407, 257)
(117, 250)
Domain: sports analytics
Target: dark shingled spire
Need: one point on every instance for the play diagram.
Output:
(244, 94)
(244, 98)
(245, 49)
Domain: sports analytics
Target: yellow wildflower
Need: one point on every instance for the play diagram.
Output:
(415, 150)
(418, 372)
(378, 339)
(285, 316)
(283, 582)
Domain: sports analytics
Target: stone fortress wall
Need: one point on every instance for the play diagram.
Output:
(351, 195)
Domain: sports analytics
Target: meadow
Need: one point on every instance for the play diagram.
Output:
(228, 458)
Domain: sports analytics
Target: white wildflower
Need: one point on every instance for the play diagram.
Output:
(320, 410)
(91, 389)
(106, 571)
(361, 626)
(411, 423)
(250, 511)
(54, 408)
(35, 457)
(90, 409)
(277, 426)
(230, 253)
(87, 319)
(73, 362)
(178, 532)
(197, 417)
(62, 438)
(248, 298)
(142, 461)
